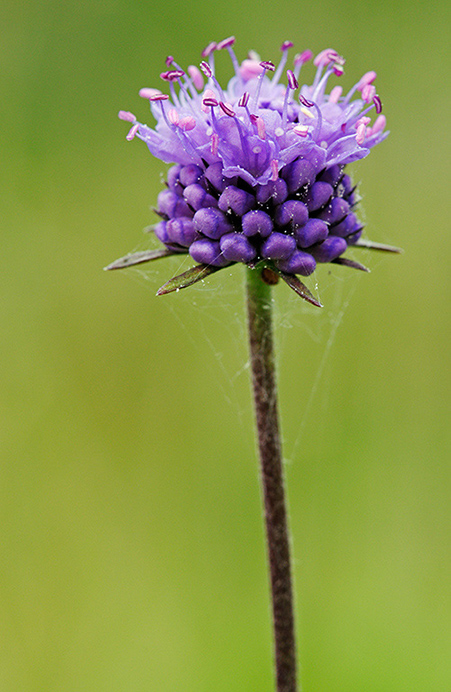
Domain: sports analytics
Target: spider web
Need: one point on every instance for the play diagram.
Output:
(212, 312)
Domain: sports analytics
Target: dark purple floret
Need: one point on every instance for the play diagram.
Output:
(301, 218)
(237, 248)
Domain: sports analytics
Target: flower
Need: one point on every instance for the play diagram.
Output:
(259, 173)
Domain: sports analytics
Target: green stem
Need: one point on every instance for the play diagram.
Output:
(265, 400)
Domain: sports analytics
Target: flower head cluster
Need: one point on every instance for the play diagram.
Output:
(258, 172)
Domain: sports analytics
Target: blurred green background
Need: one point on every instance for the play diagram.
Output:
(132, 548)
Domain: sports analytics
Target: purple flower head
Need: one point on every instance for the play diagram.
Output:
(258, 172)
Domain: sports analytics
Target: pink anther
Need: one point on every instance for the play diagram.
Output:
(210, 97)
(196, 77)
(368, 78)
(188, 123)
(377, 103)
(214, 143)
(268, 65)
(286, 45)
(173, 117)
(208, 50)
(227, 108)
(338, 70)
(292, 81)
(261, 129)
(226, 43)
(244, 100)
(368, 93)
(302, 58)
(325, 57)
(305, 102)
(209, 102)
(159, 97)
(363, 121)
(148, 93)
(275, 169)
(249, 69)
(169, 60)
(379, 124)
(126, 115)
(172, 75)
(360, 136)
(132, 132)
(335, 94)
(301, 130)
(206, 69)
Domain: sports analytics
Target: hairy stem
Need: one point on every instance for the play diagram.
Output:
(265, 400)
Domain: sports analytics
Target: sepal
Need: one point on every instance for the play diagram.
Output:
(188, 278)
(139, 258)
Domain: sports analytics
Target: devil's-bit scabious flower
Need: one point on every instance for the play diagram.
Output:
(259, 167)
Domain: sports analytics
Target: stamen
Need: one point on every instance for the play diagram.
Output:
(249, 69)
(319, 120)
(322, 59)
(360, 136)
(301, 130)
(260, 125)
(209, 72)
(214, 143)
(338, 70)
(225, 43)
(300, 59)
(228, 43)
(275, 165)
(292, 81)
(244, 100)
(210, 102)
(335, 94)
(261, 129)
(325, 57)
(368, 93)
(379, 124)
(146, 93)
(305, 102)
(159, 97)
(364, 81)
(169, 60)
(266, 65)
(209, 96)
(227, 108)
(306, 112)
(126, 115)
(292, 85)
(173, 117)
(368, 78)
(134, 129)
(286, 45)
(208, 50)
(196, 77)
(188, 123)
(365, 121)
(378, 103)
(206, 69)
(320, 87)
(172, 75)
